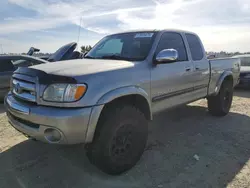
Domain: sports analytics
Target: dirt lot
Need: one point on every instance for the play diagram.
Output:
(221, 144)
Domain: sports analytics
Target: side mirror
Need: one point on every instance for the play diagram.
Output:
(166, 56)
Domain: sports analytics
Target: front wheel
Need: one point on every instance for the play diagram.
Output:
(119, 140)
(220, 104)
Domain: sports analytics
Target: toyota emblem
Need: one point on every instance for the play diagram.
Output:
(17, 88)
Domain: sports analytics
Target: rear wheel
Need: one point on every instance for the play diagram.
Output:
(220, 104)
(119, 140)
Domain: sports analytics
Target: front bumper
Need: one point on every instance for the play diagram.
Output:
(72, 125)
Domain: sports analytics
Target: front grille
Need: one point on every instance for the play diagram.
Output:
(24, 88)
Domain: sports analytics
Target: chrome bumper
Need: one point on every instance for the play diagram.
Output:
(72, 125)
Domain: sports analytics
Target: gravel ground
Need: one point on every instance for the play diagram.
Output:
(186, 148)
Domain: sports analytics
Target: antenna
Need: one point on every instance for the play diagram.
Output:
(79, 32)
(1, 48)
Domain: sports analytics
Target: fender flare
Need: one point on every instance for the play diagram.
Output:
(108, 97)
(125, 91)
(221, 80)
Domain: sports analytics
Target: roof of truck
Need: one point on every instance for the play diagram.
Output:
(155, 30)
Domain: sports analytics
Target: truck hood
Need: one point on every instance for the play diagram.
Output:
(82, 67)
(245, 69)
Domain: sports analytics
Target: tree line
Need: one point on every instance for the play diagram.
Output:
(86, 48)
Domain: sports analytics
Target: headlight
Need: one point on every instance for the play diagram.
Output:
(64, 92)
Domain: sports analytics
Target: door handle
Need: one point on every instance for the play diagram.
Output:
(188, 69)
(197, 68)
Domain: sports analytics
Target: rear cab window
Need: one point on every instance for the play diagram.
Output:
(195, 47)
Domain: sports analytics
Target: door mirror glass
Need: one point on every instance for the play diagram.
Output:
(166, 56)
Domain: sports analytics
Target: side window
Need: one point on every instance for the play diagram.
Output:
(195, 47)
(173, 41)
(245, 61)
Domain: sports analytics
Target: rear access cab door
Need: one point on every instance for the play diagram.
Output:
(201, 72)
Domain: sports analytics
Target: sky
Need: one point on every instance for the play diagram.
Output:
(49, 24)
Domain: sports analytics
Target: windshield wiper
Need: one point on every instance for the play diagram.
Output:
(114, 57)
(89, 57)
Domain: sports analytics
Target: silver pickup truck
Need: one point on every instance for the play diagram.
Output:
(107, 99)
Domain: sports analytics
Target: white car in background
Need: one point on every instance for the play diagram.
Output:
(244, 81)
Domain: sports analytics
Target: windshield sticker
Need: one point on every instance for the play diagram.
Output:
(143, 35)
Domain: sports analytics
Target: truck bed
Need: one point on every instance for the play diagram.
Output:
(221, 65)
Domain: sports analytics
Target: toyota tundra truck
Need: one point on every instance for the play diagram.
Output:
(106, 99)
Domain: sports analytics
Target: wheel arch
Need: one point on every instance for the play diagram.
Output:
(227, 75)
(129, 95)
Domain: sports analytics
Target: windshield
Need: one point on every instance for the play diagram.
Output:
(133, 46)
(245, 61)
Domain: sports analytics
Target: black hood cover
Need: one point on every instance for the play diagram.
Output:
(45, 78)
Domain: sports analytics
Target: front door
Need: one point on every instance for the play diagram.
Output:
(172, 83)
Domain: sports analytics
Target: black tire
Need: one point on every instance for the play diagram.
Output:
(120, 139)
(220, 104)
